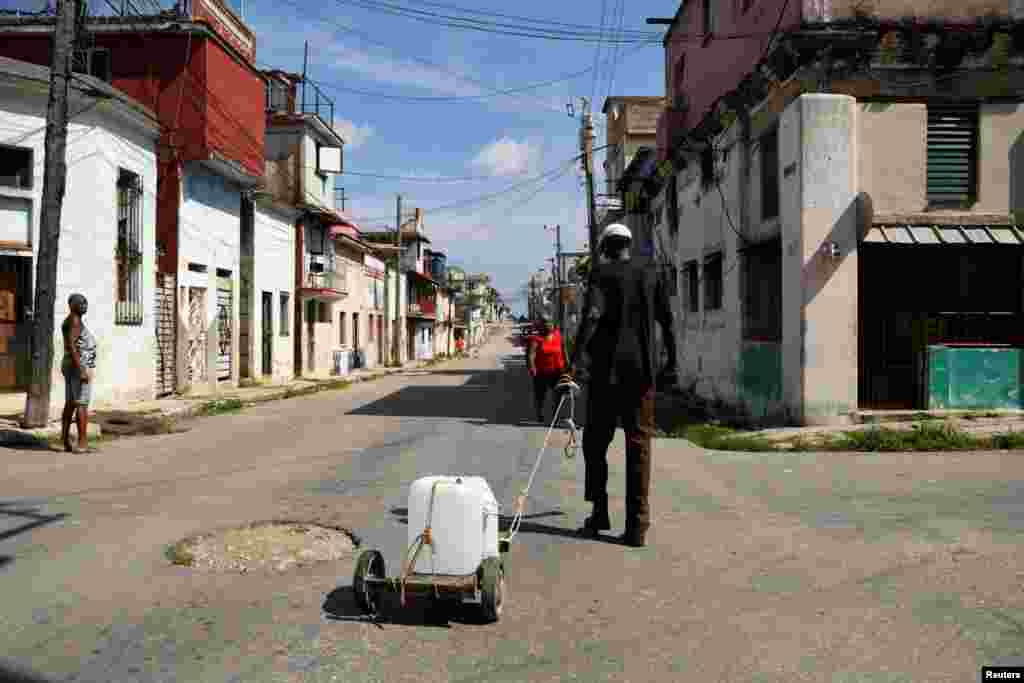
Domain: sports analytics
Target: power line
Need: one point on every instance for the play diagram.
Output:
(517, 30)
(370, 39)
(458, 98)
(542, 21)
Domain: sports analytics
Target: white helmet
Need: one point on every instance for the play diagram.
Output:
(615, 230)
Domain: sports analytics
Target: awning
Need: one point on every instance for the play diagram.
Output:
(348, 229)
(944, 234)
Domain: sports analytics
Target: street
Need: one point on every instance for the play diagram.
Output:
(759, 567)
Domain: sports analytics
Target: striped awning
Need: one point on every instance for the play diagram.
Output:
(944, 234)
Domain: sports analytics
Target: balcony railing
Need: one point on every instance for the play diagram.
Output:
(327, 279)
(312, 101)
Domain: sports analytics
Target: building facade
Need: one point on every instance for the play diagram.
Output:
(843, 154)
(193, 66)
(108, 230)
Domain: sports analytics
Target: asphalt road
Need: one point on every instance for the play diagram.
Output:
(804, 567)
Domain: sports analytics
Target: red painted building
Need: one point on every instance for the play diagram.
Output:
(194, 66)
(709, 49)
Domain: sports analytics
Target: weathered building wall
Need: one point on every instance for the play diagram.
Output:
(273, 268)
(820, 207)
(99, 144)
(210, 231)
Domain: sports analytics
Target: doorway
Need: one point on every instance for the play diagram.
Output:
(312, 313)
(268, 333)
(15, 293)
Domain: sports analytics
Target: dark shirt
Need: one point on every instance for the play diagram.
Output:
(622, 302)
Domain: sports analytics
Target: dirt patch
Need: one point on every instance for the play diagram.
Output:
(264, 546)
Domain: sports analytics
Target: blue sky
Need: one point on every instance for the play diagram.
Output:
(511, 138)
(508, 139)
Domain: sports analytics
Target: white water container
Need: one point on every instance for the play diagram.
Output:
(464, 523)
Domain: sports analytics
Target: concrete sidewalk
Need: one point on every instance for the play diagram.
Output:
(129, 416)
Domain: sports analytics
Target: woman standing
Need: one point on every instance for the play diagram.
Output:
(546, 361)
(77, 367)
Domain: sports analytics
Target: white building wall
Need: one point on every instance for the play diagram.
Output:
(209, 231)
(274, 272)
(318, 189)
(98, 144)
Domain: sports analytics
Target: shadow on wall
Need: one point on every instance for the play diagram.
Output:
(846, 233)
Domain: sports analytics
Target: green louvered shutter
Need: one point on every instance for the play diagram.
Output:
(952, 154)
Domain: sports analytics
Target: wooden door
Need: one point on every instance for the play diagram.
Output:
(8, 330)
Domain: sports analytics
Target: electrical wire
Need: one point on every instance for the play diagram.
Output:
(426, 62)
(503, 28)
(544, 21)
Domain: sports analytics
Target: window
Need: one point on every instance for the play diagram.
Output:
(709, 16)
(325, 315)
(93, 61)
(16, 167)
(762, 292)
(128, 252)
(691, 282)
(355, 330)
(277, 96)
(713, 282)
(707, 168)
(370, 328)
(770, 175)
(952, 154)
(341, 329)
(285, 314)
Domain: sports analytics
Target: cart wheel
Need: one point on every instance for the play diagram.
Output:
(370, 564)
(492, 588)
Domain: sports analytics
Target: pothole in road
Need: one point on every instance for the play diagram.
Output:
(263, 546)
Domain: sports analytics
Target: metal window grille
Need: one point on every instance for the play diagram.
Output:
(952, 154)
(713, 282)
(128, 255)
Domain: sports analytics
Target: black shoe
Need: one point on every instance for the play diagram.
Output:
(633, 538)
(595, 524)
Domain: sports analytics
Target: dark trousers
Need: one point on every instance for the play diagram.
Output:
(542, 384)
(634, 407)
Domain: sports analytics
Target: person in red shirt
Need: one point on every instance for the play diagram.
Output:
(546, 361)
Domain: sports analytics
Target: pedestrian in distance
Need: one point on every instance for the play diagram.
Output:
(621, 300)
(546, 361)
(78, 368)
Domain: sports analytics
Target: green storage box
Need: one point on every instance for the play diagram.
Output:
(974, 378)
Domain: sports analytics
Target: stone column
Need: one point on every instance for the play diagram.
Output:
(819, 212)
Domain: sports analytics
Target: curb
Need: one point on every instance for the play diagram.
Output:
(197, 406)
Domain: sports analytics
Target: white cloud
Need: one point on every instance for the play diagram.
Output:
(354, 135)
(506, 157)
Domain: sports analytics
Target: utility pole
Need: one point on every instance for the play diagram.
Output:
(587, 147)
(37, 405)
(397, 332)
(558, 279)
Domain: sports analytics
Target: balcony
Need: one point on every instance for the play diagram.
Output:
(325, 285)
(423, 308)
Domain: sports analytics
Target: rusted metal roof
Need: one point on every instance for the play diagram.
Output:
(944, 234)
